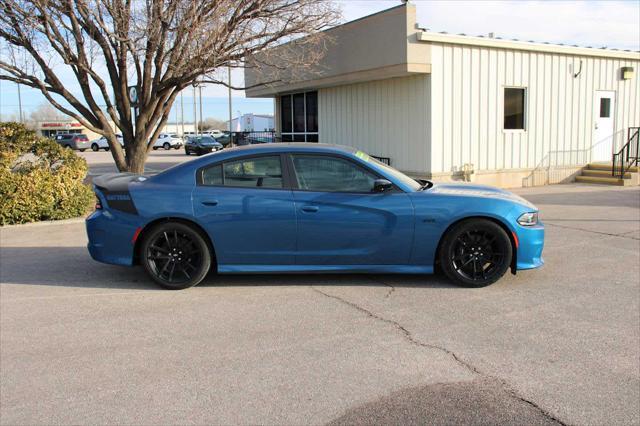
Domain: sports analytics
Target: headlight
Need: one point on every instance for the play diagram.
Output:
(528, 219)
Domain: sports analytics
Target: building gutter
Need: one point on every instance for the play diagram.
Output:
(430, 37)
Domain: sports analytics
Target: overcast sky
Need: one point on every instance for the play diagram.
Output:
(614, 24)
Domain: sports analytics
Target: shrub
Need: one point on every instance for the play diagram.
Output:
(39, 180)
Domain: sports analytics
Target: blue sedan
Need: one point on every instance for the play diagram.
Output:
(305, 208)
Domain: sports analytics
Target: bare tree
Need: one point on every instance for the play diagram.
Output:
(45, 112)
(158, 46)
(210, 123)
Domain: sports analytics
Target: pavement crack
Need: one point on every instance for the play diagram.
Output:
(412, 340)
(621, 235)
(391, 288)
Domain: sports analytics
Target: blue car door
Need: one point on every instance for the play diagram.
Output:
(341, 221)
(245, 208)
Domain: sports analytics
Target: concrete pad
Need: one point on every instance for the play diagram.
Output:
(83, 342)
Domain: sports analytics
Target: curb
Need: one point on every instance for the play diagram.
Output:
(45, 223)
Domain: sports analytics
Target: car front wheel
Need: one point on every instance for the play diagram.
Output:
(475, 253)
(175, 255)
(95, 147)
(166, 146)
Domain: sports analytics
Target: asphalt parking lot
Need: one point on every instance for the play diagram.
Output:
(83, 342)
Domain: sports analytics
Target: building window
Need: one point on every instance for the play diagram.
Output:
(605, 107)
(514, 108)
(299, 117)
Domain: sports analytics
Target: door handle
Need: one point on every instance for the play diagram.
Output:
(310, 209)
(210, 203)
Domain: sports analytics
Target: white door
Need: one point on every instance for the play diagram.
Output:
(604, 107)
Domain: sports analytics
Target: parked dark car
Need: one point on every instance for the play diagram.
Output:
(77, 141)
(201, 145)
(224, 140)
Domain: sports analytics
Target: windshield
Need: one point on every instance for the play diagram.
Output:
(395, 174)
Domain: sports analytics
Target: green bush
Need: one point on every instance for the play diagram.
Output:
(39, 180)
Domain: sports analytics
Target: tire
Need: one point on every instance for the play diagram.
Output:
(177, 147)
(106, 149)
(95, 147)
(186, 152)
(68, 146)
(166, 146)
(155, 148)
(83, 149)
(475, 253)
(163, 254)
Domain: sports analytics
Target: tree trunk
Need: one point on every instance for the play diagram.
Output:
(136, 157)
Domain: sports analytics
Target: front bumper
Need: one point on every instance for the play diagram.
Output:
(530, 245)
(111, 237)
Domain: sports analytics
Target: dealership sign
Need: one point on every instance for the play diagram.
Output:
(61, 125)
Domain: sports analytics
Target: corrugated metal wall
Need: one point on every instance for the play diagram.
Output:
(388, 118)
(467, 115)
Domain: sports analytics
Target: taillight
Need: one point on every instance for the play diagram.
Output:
(98, 203)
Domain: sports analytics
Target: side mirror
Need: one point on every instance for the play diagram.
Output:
(381, 185)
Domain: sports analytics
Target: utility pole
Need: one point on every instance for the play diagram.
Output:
(182, 113)
(230, 110)
(195, 112)
(200, 90)
(20, 103)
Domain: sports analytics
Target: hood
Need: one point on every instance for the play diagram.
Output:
(478, 191)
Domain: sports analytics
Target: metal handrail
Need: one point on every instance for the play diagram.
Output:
(627, 157)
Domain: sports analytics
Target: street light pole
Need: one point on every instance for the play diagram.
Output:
(20, 103)
(230, 110)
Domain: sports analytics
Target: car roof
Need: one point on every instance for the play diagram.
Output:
(292, 147)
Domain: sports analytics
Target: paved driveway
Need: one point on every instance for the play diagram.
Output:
(82, 342)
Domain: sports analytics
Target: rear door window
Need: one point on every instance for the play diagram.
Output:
(254, 172)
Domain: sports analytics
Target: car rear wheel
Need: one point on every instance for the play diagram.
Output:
(166, 146)
(83, 149)
(95, 147)
(475, 253)
(175, 255)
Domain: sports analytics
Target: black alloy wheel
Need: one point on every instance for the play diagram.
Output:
(175, 255)
(476, 253)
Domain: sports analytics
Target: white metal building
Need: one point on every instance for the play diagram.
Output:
(251, 123)
(517, 113)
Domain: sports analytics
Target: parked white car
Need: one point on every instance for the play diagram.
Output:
(101, 143)
(167, 141)
(214, 133)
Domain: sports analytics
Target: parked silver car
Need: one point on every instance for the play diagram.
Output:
(75, 141)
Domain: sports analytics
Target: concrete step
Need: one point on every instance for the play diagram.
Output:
(607, 166)
(603, 180)
(602, 173)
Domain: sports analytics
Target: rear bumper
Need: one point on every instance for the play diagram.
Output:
(111, 238)
(530, 245)
(207, 149)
